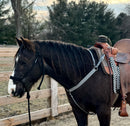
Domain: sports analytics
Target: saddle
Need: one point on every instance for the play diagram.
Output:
(105, 48)
(123, 59)
(121, 55)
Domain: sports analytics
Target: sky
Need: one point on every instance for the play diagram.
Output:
(42, 12)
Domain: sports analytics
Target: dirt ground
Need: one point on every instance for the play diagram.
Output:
(69, 120)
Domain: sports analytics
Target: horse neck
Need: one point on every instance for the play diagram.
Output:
(67, 64)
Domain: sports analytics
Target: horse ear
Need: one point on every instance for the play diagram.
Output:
(27, 43)
(19, 42)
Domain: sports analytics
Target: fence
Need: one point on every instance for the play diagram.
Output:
(51, 93)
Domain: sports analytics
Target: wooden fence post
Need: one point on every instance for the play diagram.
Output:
(54, 97)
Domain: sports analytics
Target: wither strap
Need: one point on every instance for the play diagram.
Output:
(88, 75)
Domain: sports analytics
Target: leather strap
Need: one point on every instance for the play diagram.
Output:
(89, 74)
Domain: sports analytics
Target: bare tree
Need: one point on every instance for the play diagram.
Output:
(16, 5)
(128, 9)
(19, 9)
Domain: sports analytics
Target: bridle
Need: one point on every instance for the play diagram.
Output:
(20, 79)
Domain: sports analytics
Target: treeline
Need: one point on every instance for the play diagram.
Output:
(18, 20)
(79, 23)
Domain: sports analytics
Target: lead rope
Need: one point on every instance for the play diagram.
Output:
(29, 114)
(28, 95)
(20, 79)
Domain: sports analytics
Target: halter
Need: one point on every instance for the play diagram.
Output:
(21, 80)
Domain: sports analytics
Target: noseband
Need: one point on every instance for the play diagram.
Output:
(21, 80)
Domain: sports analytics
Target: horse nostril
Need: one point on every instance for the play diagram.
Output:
(14, 93)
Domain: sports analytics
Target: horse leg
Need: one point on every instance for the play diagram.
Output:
(81, 117)
(104, 115)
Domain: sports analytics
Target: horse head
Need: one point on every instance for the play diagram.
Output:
(27, 68)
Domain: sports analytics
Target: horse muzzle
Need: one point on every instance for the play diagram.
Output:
(18, 93)
(15, 87)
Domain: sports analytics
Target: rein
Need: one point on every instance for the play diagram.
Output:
(21, 80)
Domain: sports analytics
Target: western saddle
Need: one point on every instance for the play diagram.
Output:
(121, 55)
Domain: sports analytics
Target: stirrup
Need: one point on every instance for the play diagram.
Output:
(122, 111)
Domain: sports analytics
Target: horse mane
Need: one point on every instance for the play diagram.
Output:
(69, 56)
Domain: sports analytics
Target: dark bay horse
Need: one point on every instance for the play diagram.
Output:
(67, 64)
